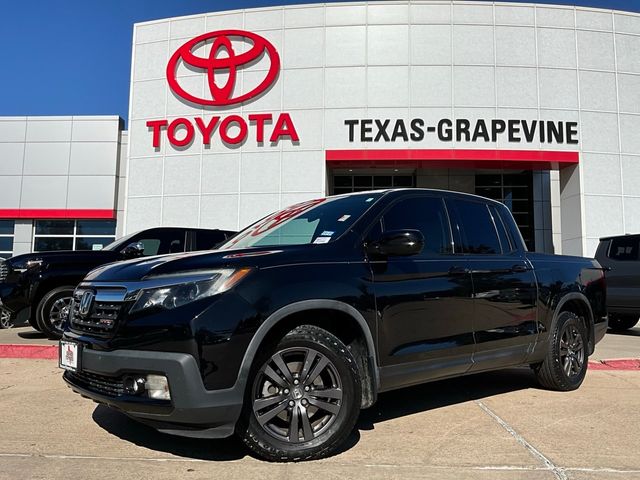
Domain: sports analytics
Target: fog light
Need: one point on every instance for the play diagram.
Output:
(158, 387)
(134, 385)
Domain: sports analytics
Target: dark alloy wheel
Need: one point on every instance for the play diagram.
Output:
(565, 365)
(5, 319)
(620, 323)
(53, 311)
(572, 354)
(297, 395)
(304, 399)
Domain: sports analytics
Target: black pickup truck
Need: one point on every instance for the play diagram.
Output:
(286, 331)
(39, 286)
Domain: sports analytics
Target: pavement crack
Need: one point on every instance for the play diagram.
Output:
(557, 471)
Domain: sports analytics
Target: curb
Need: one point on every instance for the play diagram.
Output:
(46, 352)
(616, 364)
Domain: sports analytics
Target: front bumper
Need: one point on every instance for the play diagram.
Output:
(193, 410)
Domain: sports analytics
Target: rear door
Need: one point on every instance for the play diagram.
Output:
(623, 279)
(504, 285)
(423, 302)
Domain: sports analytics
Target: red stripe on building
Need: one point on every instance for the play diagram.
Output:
(44, 213)
(454, 158)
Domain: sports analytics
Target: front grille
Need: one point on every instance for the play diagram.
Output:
(101, 319)
(109, 386)
(4, 270)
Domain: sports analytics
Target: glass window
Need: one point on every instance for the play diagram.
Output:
(73, 234)
(316, 221)
(207, 240)
(479, 235)
(505, 242)
(92, 243)
(360, 183)
(54, 227)
(624, 248)
(44, 244)
(6, 238)
(96, 227)
(7, 227)
(426, 214)
(151, 246)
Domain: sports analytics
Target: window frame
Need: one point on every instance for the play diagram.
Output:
(73, 236)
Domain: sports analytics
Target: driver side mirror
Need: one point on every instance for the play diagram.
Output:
(397, 243)
(133, 250)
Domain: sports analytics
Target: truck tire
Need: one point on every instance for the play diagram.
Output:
(52, 312)
(565, 364)
(620, 323)
(303, 397)
(33, 321)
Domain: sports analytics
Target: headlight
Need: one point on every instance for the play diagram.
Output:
(179, 294)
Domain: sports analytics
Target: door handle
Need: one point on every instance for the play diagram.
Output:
(456, 270)
(520, 268)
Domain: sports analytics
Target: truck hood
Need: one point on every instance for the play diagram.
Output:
(140, 269)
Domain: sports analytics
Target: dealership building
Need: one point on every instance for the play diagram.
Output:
(236, 114)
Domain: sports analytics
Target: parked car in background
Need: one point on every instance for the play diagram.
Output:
(291, 327)
(620, 255)
(40, 285)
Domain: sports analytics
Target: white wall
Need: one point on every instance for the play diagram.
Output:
(398, 60)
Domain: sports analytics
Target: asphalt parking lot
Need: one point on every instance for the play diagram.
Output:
(487, 426)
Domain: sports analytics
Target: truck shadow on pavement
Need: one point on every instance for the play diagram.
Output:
(399, 403)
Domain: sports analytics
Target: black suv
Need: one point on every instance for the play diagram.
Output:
(39, 286)
(286, 331)
(620, 255)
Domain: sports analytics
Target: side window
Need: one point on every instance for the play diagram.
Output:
(624, 248)
(161, 242)
(505, 242)
(206, 240)
(426, 214)
(477, 229)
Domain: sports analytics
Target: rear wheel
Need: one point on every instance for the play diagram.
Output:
(619, 323)
(565, 365)
(53, 311)
(5, 319)
(304, 398)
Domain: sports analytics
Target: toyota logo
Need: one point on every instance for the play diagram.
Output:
(85, 303)
(228, 64)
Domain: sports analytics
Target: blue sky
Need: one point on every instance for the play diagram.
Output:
(73, 57)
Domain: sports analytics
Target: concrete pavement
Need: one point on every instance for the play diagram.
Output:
(489, 426)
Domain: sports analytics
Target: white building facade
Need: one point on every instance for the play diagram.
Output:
(236, 114)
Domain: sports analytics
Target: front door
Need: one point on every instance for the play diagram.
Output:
(504, 286)
(424, 302)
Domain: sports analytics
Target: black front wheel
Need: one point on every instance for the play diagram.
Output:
(620, 323)
(565, 365)
(53, 311)
(303, 400)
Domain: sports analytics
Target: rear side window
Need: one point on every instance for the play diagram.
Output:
(160, 242)
(426, 214)
(624, 248)
(207, 240)
(478, 234)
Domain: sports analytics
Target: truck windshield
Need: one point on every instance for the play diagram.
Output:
(312, 222)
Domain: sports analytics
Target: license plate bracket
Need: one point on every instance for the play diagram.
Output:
(70, 354)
